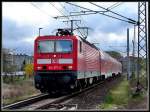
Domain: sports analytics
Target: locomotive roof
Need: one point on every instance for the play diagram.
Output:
(108, 57)
(87, 42)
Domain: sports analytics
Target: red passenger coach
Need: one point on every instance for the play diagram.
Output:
(65, 62)
(109, 65)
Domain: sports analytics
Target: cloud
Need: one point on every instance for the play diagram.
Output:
(25, 13)
(14, 35)
(21, 21)
(13, 31)
(21, 37)
(107, 37)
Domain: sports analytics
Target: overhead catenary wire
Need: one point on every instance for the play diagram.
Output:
(82, 20)
(56, 8)
(112, 12)
(75, 23)
(83, 23)
(95, 12)
(114, 5)
(59, 11)
(41, 10)
(67, 18)
(68, 11)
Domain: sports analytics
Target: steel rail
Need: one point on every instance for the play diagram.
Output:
(26, 102)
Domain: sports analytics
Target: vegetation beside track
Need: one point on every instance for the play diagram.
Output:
(17, 90)
(122, 96)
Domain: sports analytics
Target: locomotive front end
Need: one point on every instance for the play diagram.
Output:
(54, 62)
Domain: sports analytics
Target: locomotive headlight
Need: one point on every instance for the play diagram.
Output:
(69, 67)
(39, 67)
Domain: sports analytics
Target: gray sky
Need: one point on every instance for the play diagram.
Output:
(21, 20)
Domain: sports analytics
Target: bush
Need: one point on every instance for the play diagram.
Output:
(28, 70)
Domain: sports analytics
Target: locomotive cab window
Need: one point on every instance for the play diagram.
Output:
(45, 46)
(49, 46)
(63, 46)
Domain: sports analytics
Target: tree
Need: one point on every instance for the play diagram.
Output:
(23, 65)
(28, 70)
(114, 54)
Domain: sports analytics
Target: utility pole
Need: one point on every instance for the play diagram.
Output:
(40, 30)
(2, 58)
(134, 40)
(133, 53)
(128, 58)
(72, 24)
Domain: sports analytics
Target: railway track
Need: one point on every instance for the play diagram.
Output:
(46, 102)
(26, 101)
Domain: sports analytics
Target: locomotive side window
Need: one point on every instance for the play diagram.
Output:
(80, 46)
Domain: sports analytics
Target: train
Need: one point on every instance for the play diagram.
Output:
(65, 62)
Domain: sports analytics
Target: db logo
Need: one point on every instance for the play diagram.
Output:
(54, 60)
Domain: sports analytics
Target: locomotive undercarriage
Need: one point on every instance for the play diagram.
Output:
(65, 81)
(54, 81)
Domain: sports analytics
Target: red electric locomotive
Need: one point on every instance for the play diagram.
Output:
(65, 62)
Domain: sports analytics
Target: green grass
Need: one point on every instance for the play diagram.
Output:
(122, 95)
(117, 97)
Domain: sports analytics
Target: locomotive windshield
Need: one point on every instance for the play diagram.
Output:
(49, 46)
(46, 46)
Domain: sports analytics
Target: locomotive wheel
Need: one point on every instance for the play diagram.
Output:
(72, 86)
(86, 82)
(113, 74)
(103, 77)
(80, 85)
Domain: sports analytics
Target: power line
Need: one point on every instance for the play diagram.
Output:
(112, 12)
(66, 16)
(59, 11)
(64, 7)
(114, 5)
(95, 12)
(83, 22)
(56, 8)
(76, 24)
(41, 10)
